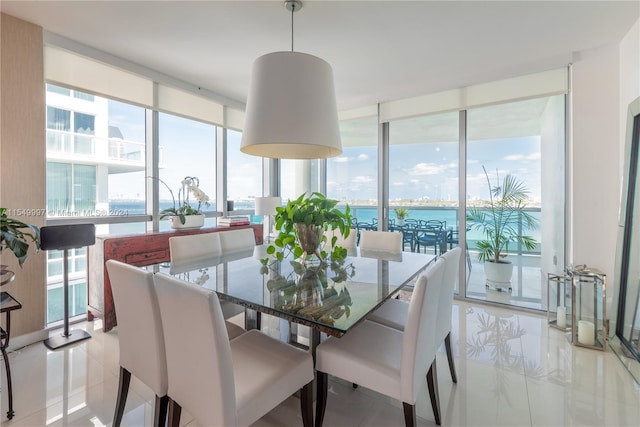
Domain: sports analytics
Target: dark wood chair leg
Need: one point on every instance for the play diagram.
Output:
(354, 385)
(160, 411)
(409, 414)
(174, 414)
(452, 365)
(322, 380)
(306, 404)
(123, 391)
(432, 383)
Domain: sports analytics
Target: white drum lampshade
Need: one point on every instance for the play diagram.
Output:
(267, 205)
(291, 108)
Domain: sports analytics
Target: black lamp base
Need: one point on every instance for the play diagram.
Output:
(57, 341)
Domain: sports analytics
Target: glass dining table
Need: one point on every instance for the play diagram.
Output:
(328, 297)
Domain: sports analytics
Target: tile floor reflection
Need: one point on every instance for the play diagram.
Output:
(513, 370)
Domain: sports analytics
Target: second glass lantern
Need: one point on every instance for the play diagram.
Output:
(589, 327)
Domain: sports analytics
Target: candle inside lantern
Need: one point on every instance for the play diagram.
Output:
(586, 332)
(562, 317)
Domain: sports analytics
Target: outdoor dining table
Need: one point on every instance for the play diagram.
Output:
(330, 298)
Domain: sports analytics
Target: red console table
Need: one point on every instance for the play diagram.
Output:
(137, 249)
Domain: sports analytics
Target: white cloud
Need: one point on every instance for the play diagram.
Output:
(341, 159)
(363, 157)
(362, 179)
(426, 169)
(522, 157)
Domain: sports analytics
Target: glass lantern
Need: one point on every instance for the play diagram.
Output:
(588, 295)
(559, 301)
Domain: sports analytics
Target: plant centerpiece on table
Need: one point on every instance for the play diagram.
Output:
(501, 220)
(183, 208)
(15, 236)
(311, 290)
(302, 223)
(401, 215)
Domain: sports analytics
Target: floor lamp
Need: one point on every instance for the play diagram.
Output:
(65, 237)
(266, 206)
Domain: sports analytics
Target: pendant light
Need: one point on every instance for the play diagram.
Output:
(291, 106)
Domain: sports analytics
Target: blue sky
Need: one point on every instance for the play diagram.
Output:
(427, 170)
(430, 171)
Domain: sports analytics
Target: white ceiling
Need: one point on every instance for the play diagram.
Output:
(379, 50)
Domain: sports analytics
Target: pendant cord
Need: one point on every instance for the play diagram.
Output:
(293, 9)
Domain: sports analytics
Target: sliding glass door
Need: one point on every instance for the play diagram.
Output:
(424, 181)
(352, 177)
(526, 140)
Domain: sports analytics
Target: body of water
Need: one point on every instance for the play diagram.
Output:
(363, 214)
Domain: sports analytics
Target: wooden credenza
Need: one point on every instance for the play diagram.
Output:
(136, 249)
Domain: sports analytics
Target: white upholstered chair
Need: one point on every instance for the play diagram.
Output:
(142, 349)
(189, 249)
(237, 240)
(221, 382)
(387, 360)
(383, 241)
(194, 247)
(348, 242)
(393, 313)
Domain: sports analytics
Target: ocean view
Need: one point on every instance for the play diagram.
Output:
(363, 214)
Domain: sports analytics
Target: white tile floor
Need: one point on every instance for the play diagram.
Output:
(512, 371)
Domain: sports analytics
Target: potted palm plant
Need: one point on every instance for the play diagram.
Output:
(401, 215)
(503, 220)
(302, 222)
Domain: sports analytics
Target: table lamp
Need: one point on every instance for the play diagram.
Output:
(266, 206)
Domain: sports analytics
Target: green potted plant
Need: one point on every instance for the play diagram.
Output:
(503, 220)
(16, 236)
(401, 215)
(301, 224)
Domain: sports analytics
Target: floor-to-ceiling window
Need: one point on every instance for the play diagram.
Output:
(95, 168)
(189, 150)
(524, 139)
(298, 177)
(244, 174)
(352, 177)
(423, 181)
(126, 176)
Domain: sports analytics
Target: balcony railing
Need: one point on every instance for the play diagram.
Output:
(101, 149)
(447, 214)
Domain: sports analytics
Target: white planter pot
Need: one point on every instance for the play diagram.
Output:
(498, 274)
(190, 222)
(400, 222)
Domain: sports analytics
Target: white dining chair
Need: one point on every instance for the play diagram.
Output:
(348, 242)
(393, 313)
(194, 247)
(383, 241)
(141, 342)
(189, 249)
(221, 382)
(387, 360)
(237, 240)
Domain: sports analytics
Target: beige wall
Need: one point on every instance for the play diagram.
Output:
(22, 158)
